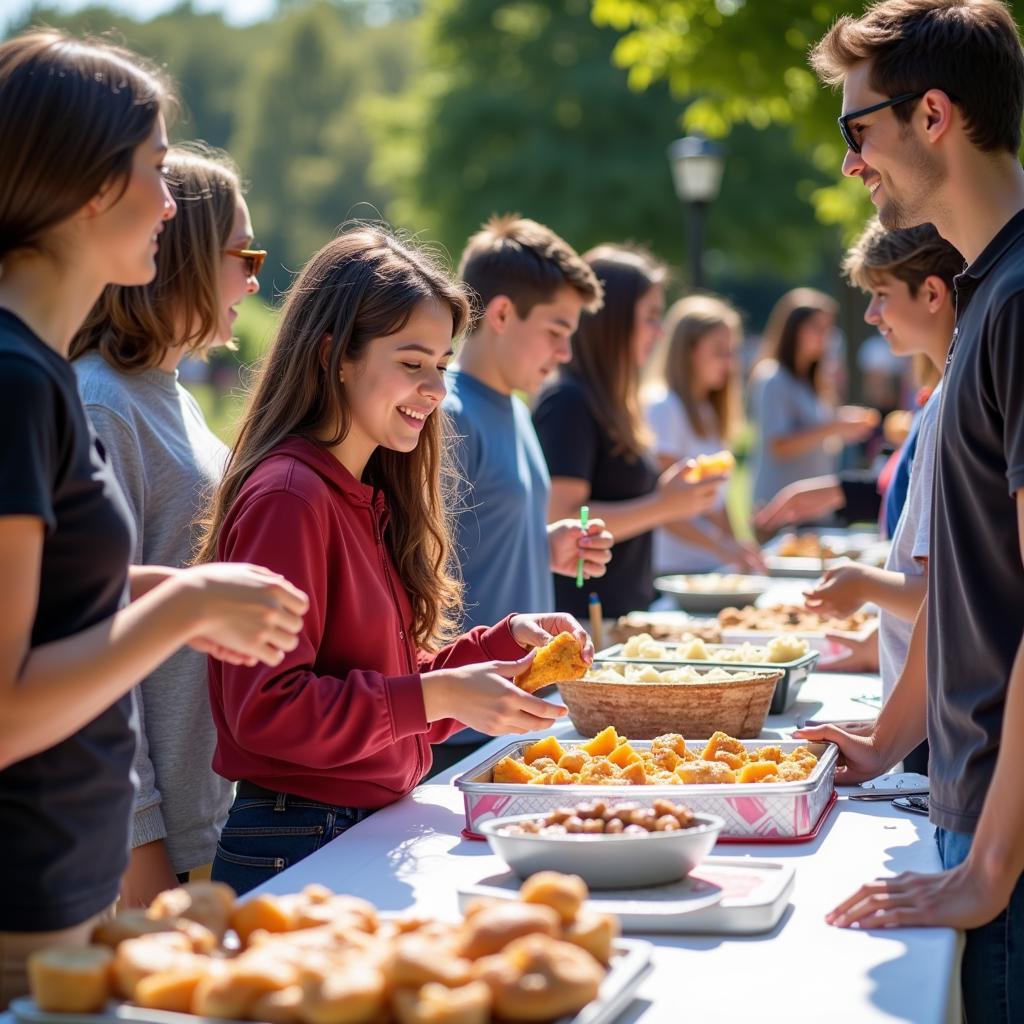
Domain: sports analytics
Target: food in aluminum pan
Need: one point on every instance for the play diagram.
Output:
(778, 650)
(636, 856)
(670, 626)
(786, 811)
(790, 617)
(331, 958)
(609, 759)
(556, 661)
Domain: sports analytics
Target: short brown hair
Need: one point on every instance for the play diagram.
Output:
(968, 48)
(72, 113)
(514, 256)
(910, 255)
(133, 328)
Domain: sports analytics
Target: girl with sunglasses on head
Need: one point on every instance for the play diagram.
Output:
(166, 460)
(82, 203)
(340, 479)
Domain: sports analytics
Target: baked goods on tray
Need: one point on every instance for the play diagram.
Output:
(318, 958)
(790, 617)
(658, 627)
(609, 759)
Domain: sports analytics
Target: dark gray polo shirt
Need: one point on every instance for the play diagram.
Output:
(976, 579)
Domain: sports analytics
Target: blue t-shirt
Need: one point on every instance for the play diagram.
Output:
(896, 497)
(501, 523)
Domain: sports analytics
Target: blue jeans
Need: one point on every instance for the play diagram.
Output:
(264, 835)
(992, 972)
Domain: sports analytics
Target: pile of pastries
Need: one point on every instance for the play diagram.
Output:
(609, 759)
(629, 672)
(805, 545)
(694, 648)
(786, 617)
(595, 817)
(319, 958)
(670, 630)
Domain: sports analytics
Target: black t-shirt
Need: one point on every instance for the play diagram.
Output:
(65, 812)
(577, 446)
(975, 578)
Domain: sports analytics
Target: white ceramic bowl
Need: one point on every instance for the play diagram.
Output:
(606, 861)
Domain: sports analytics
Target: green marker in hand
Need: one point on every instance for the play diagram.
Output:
(584, 516)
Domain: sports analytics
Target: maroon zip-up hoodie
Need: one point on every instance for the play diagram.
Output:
(341, 719)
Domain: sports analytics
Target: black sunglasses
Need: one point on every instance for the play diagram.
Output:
(844, 121)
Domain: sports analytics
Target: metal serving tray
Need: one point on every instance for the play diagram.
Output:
(793, 672)
(630, 964)
(782, 811)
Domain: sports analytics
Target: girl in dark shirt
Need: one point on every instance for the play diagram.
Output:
(82, 201)
(596, 442)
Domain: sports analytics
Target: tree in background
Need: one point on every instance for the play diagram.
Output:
(519, 107)
(737, 62)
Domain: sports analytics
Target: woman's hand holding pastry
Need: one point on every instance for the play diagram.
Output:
(532, 631)
(685, 500)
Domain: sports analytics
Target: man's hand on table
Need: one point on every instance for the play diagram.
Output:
(960, 898)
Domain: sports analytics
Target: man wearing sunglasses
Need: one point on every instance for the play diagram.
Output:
(933, 94)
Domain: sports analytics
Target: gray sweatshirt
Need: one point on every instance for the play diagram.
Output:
(166, 459)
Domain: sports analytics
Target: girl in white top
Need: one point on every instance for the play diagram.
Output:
(692, 409)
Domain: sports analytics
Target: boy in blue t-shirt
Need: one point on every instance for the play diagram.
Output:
(529, 288)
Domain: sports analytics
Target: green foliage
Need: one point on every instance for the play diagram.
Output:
(287, 97)
(745, 62)
(519, 107)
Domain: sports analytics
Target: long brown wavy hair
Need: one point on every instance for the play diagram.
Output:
(133, 328)
(362, 285)
(602, 349)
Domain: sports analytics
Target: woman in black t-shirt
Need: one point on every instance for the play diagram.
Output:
(82, 200)
(595, 440)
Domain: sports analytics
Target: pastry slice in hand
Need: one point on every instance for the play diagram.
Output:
(555, 662)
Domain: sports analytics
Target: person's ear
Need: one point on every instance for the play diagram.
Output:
(938, 109)
(499, 313)
(936, 293)
(325, 352)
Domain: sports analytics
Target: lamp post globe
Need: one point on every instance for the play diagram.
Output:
(697, 165)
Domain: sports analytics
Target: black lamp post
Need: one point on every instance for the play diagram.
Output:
(697, 166)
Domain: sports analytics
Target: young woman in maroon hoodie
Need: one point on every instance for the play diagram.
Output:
(337, 480)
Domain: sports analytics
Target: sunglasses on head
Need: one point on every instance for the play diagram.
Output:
(844, 121)
(253, 259)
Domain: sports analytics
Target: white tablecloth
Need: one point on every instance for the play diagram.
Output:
(411, 855)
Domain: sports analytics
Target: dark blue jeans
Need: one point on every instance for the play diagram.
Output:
(264, 835)
(992, 972)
